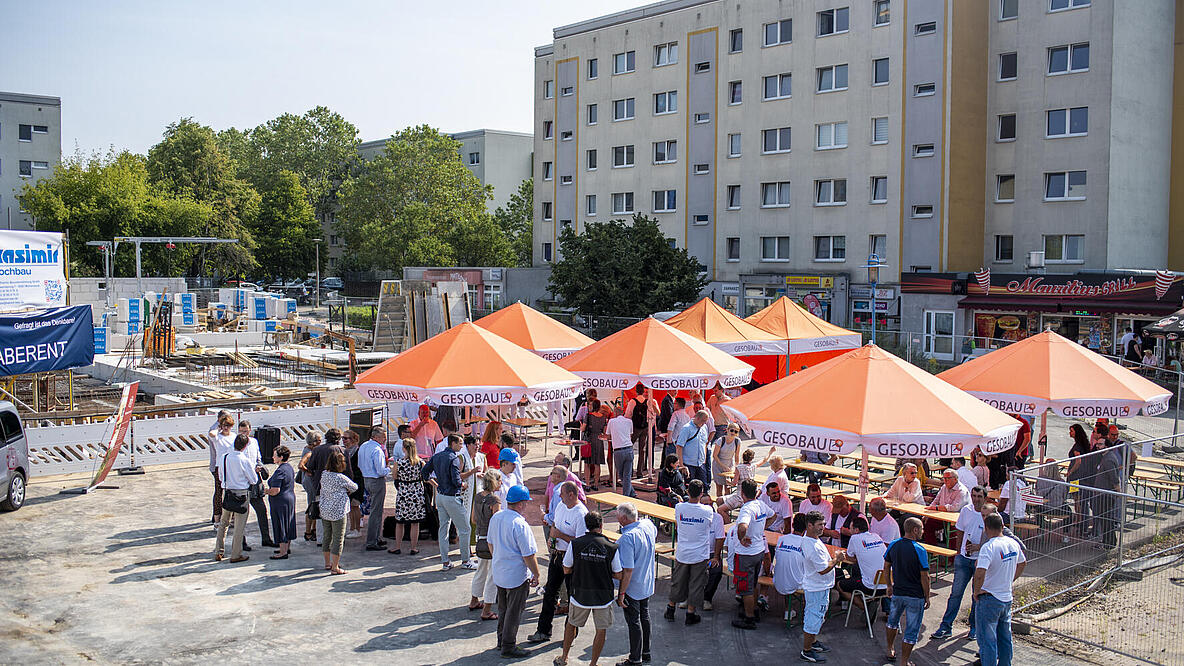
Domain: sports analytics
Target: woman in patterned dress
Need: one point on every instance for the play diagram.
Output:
(409, 502)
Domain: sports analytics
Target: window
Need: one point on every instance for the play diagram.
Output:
(623, 63)
(775, 195)
(1008, 66)
(589, 204)
(565, 180)
(548, 129)
(832, 78)
(879, 189)
(701, 67)
(623, 109)
(779, 32)
(474, 158)
(334, 240)
(546, 252)
(774, 248)
(1064, 186)
(41, 129)
(833, 21)
(923, 150)
(1059, 5)
(567, 91)
(702, 118)
(734, 145)
(927, 28)
(665, 201)
(736, 41)
(24, 132)
(1068, 59)
(877, 244)
(775, 140)
(591, 159)
(924, 89)
(593, 68)
(778, 86)
(922, 211)
(1004, 248)
(1008, 9)
(40, 165)
(665, 152)
(548, 89)
(1067, 122)
(700, 220)
(702, 169)
(548, 170)
(733, 197)
(1005, 188)
(593, 112)
(1007, 127)
(25, 168)
(735, 92)
(622, 202)
(566, 135)
(733, 248)
(830, 192)
(830, 248)
(879, 71)
(665, 54)
(882, 12)
(623, 156)
(880, 130)
(547, 210)
(666, 102)
(832, 135)
(1065, 249)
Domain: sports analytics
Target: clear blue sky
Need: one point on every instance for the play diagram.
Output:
(125, 69)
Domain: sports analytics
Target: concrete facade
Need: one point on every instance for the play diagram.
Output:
(30, 148)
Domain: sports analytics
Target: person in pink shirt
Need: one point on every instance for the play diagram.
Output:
(426, 433)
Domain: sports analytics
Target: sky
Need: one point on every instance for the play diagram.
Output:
(126, 69)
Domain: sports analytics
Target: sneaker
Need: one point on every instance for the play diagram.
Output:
(707, 606)
(669, 614)
(446, 566)
(746, 623)
(819, 646)
(763, 602)
(469, 565)
(812, 657)
(538, 637)
(941, 633)
(693, 618)
(353, 534)
(682, 604)
(972, 636)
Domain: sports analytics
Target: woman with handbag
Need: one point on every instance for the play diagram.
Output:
(334, 502)
(282, 500)
(305, 478)
(486, 504)
(410, 508)
(237, 473)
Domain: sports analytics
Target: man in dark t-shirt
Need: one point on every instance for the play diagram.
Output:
(906, 566)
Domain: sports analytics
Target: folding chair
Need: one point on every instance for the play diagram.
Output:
(877, 596)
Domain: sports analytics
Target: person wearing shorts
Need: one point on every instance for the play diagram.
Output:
(907, 566)
(817, 582)
(751, 551)
(593, 564)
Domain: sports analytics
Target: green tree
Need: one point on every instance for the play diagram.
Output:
(623, 269)
(416, 204)
(516, 220)
(286, 226)
(103, 196)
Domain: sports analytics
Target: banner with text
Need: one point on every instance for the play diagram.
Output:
(32, 270)
(46, 340)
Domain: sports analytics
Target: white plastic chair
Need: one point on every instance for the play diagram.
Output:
(879, 593)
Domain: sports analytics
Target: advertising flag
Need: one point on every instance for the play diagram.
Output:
(123, 420)
(1163, 282)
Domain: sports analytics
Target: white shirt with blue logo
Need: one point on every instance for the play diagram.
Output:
(868, 549)
(999, 557)
(789, 566)
(753, 514)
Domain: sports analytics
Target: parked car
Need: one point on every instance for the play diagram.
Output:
(14, 458)
(332, 283)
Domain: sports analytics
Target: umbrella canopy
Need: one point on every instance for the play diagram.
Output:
(530, 329)
(1170, 327)
(805, 332)
(658, 356)
(870, 398)
(1047, 371)
(467, 365)
(721, 329)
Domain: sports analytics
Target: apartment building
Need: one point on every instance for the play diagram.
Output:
(782, 142)
(30, 148)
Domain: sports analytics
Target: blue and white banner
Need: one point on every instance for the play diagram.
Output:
(46, 340)
(32, 270)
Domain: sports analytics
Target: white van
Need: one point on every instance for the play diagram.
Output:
(14, 458)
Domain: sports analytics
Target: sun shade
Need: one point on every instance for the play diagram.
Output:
(709, 322)
(805, 332)
(530, 329)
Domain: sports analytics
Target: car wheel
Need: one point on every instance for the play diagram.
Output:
(16, 493)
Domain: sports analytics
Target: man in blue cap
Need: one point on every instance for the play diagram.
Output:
(515, 569)
(507, 462)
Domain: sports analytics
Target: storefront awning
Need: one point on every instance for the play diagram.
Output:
(1020, 304)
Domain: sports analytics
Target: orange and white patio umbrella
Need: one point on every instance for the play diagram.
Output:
(805, 332)
(658, 356)
(530, 329)
(464, 366)
(709, 322)
(1048, 371)
(871, 399)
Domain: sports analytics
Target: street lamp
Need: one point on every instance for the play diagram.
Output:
(873, 266)
(318, 242)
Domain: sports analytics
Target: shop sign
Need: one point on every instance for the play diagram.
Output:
(882, 293)
(1093, 286)
(820, 281)
(730, 289)
(472, 277)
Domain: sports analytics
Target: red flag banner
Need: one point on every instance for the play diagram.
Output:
(123, 421)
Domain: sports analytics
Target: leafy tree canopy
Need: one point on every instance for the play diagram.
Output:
(516, 221)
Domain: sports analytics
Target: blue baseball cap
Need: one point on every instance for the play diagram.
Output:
(507, 455)
(517, 494)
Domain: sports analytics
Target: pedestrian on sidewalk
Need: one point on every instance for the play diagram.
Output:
(635, 549)
(334, 502)
(970, 525)
(568, 525)
(484, 591)
(282, 498)
(907, 566)
(817, 582)
(1001, 561)
(372, 463)
(444, 470)
(515, 569)
(692, 551)
(593, 564)
(237, 473)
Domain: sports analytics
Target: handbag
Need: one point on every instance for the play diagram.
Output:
(233, 502)
(313, 512)
(264, 474)
(586, 450)
(483, 550)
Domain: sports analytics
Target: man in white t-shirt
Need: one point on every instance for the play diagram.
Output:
(620, 433)
(868, 551)
(777, 473)
(880, 522)
(779, 504)
(970, 525)
(1011, 500)
(1000, 562)
(568, 526)
(692, 550)
(751, 551)
(965, 474)
(814, 502)
(788, 563)
(817, 582)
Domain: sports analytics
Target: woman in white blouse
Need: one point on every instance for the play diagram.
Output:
(334, 502)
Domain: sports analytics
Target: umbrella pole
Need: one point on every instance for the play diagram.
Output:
(863, 480)
(1043, 441)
